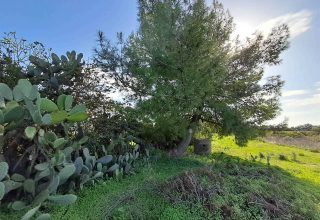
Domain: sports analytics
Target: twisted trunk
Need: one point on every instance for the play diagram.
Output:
(182, 147)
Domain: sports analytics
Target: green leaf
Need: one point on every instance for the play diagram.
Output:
(60, 142)
(2, 190)
(78, 108)
(10, 105)
(68, 103)
(29, 186)
(54, 184)
(42, 166)
(42, 141)
(30, 132)
(37, 117)
(1, 117)
(86, 152)
(11, 185)
(34, 111)
(67, 152)
(42, 174)
(77, 117)
(98, 175)
(24, 85)
(5, 91)
(83, 140)
(2, 103)
(3, 170)
(27, 89)
(58, 117)
(46, 119)
(66, 172)
(58, 159)
(113, 168)
(45, 216)
(41, 197)
(18, 205)
(50, 136)
(18, 178)
(63, 199)
(61, 100)
(17, 94)
(41, 132)
(14, 114)
(55, 59)
(105, 160)
(48, 105)
(31, 213)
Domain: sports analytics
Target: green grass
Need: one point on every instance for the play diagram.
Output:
(304, 165)
(229, 184)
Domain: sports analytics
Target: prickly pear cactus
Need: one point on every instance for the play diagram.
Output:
(23, 107)
(53, 75)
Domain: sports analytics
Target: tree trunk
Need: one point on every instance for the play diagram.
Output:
(182, 147)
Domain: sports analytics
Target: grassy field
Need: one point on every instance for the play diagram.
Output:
(232, 183)
(300, 163)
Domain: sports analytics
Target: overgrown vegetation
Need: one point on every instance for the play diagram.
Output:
(183, 80)
(217, 187)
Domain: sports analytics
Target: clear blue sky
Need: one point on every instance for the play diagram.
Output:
(72, 24)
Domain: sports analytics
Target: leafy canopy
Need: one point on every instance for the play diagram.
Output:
(182, 68)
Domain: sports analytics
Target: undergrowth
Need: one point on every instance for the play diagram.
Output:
(226, 185)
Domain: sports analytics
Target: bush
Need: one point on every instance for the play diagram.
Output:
(282, 157)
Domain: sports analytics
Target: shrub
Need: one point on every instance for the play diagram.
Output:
(261, 155)
(282, 157)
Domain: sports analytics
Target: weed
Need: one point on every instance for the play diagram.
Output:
(268, 159)
(261, 155)
(282, 157)
(294, 156)
(253, 158)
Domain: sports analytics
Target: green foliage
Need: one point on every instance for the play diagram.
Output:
(47, 147)
(30, 213)
(182, 68)
(14, 57)
(2, 190)
(3, 170)
(45, 216)
(56, 76)
(53, 167)
(63, 199)
(30, 132)
(46, 152)
(282, 157)
(244, 188)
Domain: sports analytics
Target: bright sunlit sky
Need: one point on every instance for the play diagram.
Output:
(72, 25)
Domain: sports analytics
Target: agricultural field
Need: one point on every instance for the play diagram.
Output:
(301, 139)
(260, 181)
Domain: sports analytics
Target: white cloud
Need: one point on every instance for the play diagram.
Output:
(302, 102)
(290, 93)
(298, 23)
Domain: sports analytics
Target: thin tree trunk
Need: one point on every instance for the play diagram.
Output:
(182, 147)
